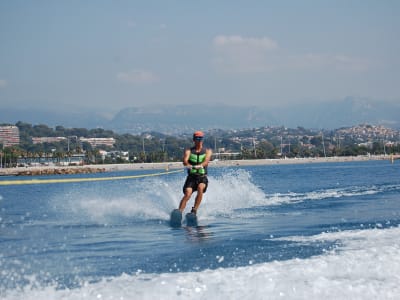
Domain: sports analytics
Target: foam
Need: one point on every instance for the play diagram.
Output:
(148, 199)
(229, 195)
(154, 198)
(366, 266)
(353, 191)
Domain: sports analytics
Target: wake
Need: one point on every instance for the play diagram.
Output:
(155, 198)
(364, 267)
(352, 191)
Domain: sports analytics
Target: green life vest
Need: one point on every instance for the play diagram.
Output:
(197, 158)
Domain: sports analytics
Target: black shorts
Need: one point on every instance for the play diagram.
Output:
(194, 181)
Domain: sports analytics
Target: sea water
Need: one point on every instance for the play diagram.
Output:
(302, 231)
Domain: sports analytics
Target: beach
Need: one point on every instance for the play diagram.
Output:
(51, 170)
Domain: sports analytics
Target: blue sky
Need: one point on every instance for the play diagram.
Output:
(107, 55)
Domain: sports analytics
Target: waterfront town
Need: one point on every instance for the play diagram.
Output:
(38, 145)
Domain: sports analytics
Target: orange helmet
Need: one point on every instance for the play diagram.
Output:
(198, 135)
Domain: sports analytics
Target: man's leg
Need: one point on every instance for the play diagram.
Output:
(185, 199)
(199, 196)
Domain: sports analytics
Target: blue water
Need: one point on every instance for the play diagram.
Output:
(67, 239)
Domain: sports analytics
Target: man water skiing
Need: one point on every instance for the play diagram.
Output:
(196, 159)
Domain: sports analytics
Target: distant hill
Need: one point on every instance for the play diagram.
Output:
(173, 119)
(349, 112)
(184, 118)
(52, 118)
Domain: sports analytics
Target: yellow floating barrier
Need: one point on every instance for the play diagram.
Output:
(86, 179)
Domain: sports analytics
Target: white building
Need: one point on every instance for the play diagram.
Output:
(9, 136)
(48, 139)
(94, 142)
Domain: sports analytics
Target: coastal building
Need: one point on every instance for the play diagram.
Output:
(48, 139)
(9, 136)
(94, 142)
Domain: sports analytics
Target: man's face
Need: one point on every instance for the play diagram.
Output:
(198, 140)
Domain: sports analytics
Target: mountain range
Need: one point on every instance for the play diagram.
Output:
(175, 119)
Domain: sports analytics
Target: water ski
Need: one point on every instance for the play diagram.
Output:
(191, 219)
(176, 218)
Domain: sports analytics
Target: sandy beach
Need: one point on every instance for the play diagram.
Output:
(47, 170)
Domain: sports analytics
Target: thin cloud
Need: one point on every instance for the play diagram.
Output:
(131, 24)
(138, 77)
(343, 62)
(232, 41)
(328, 61)
(237, 54)
(3, 83)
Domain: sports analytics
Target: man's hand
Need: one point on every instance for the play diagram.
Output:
(198, 167)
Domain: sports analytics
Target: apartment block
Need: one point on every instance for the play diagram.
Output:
(9, 136)
(48, 139)
(94, 142)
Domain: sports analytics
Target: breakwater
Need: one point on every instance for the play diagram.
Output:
(53, 170)
(50, 171)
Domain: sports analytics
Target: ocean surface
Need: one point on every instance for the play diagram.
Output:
(302, 231)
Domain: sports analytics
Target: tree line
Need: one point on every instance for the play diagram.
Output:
(258, 143)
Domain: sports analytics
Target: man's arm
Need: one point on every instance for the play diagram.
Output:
(186, 156)
(208, 158)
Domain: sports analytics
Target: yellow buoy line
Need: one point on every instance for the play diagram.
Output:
(86, 179)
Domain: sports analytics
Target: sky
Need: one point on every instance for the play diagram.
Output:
(109, 55)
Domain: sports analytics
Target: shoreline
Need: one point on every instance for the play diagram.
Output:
(52, 170)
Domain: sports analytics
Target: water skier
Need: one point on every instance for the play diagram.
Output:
(196, 160)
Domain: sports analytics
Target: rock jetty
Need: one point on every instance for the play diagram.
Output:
(51, 171)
